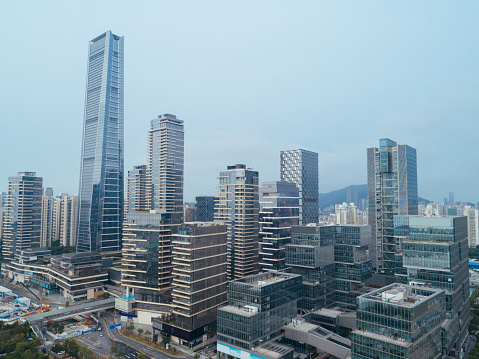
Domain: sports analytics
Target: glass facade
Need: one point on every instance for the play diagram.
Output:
(137, 184)
(392, 190)
(101, 197)
(332, 261)
(205, 208)
(238, 207)
(301, 167)
(22, 213)
(435, 253)
(399, 321)
(258, 307)
(279, 210)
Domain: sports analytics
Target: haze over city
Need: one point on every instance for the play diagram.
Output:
(250, 79)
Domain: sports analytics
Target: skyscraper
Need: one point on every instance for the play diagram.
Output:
(352, 196)
(451, 197)
(23, 213)
(238, 207)
(101, 174)
(166, 163)
(301, 167)
(392, 190)
(65, 219)
(137, 189)
(279, 210)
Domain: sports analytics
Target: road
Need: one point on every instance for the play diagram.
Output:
(108, 319)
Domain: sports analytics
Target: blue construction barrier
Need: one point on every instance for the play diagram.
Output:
(114, 326)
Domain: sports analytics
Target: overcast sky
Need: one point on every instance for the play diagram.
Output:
(249, 79)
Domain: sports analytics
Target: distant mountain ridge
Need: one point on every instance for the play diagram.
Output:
(341, 195)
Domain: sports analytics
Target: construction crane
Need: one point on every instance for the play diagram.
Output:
(46, 307)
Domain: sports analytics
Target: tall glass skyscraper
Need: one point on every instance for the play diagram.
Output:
(301, 167)
(392, 190)
(101, 174)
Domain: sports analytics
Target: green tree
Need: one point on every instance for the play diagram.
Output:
(139, 331)
(131, 327)
(119, 353)
(147, 335)
(20, 348)
(67, 304)
(165, 340)
(155, 338)
(197, 356)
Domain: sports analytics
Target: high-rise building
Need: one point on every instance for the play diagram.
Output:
(238, 208)
(2, 210)
(137, 189)
(352, 196)
(190, 212)
(205, 208)
(199, 281)
(47, 218)
(399, 321)
(147, 239)
(347, 214)
(392, 190)
(65, 219)
(279, 210)
(332, 261)
(435, 254)
(258, 307)
(301, 167)
(101, 175)
(23, 213)
(451, 197)
(166, 163)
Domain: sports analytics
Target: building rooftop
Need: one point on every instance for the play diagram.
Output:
(266, 278)
(402, 294)
(246, 311)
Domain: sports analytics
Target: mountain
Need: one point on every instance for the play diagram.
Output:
(341, 195)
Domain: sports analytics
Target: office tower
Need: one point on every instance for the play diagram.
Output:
(259, 306)
(65, 219)
(101, 174)
(199, 281)
(279, 210)
(166, 163)
(472, 215)
(451, 197)
(205, 208)
(332, 261)
(23, 213)
(2, 205)
(352, 196)
(392, 190)
(301, 167)
(399, 321)
(435, 254)
(445, 201)
(47, 218)
(238, 207)
(136, 193)
(347, 213)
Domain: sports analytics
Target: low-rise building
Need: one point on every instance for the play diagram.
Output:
(77, 276)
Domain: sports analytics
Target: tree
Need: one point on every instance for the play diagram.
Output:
(140, 331)
(67, 304)
(119, 353)
(131, 327)
(165, 340)
(155, 338)
(147, 335)
(197, 356)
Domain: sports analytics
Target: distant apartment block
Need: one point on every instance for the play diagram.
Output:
(301, 167)
(137, 189)
(47, 219)
(23, 213)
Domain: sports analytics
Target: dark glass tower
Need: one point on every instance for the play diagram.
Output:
(301, 167)
(101, 174)
(392, 190)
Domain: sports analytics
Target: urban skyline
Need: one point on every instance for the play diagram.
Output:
(387, 98)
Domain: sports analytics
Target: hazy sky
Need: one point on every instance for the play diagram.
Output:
(251, 78)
